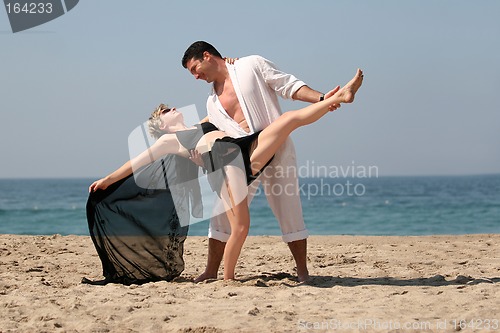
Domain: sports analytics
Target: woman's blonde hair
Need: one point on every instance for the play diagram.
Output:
(154, 121)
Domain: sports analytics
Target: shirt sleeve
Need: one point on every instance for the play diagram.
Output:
(283, 83)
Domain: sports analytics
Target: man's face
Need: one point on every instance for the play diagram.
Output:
(200, 69)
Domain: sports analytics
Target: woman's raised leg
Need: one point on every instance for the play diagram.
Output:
(273, 136)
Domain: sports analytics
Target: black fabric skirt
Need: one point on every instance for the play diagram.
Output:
(230, 151)
(136, 230)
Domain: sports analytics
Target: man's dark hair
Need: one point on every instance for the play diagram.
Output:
(195, 51)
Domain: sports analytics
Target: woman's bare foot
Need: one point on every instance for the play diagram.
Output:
(347, 92)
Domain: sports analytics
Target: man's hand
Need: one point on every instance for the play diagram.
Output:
(195, 157)
(332, 92)
(231, 60)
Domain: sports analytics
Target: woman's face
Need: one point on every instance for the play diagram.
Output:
(170, 117)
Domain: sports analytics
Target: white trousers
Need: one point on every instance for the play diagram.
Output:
(280, 184)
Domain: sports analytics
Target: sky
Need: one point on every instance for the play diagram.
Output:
(73, 89)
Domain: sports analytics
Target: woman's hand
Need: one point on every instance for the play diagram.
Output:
(100, 184)
(231, 60)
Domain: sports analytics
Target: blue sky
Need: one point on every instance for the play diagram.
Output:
(73, 89)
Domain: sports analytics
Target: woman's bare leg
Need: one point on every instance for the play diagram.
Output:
(273, 136)
(234, 195)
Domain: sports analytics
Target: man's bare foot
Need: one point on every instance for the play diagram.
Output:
(205, 276)
(299, 252)
(347, 92)
(303, 277)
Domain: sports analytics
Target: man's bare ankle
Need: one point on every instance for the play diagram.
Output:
(303, 276)
(205, 276)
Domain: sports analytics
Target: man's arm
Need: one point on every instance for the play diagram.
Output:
(306, 94)
(285, 84)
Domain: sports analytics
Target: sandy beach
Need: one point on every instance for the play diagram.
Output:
(358, 284)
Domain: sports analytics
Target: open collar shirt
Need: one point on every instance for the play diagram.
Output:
(257, 83)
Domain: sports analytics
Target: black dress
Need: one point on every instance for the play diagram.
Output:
(137, 231)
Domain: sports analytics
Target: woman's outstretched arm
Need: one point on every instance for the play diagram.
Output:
(120, 173)
(166, 144)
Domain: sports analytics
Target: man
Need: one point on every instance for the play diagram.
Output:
(245, 100)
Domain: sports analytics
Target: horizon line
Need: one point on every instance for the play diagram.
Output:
(317, 177)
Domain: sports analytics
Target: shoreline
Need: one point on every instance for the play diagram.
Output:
(437, 280)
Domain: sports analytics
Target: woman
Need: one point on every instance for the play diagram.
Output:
(257, 151)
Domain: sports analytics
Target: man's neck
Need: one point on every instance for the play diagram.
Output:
(222, 75)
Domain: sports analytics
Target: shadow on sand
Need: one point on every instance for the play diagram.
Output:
(268, 279)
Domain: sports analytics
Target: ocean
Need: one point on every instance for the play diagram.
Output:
(331, 206)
